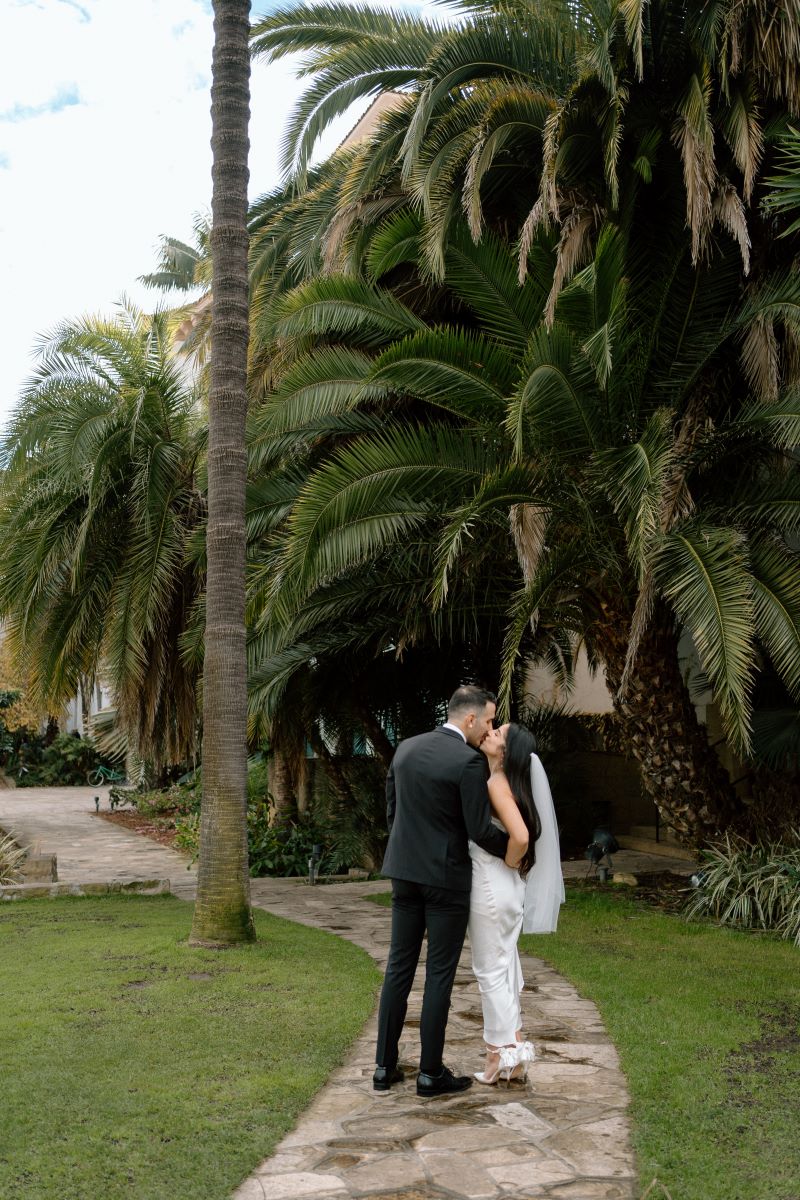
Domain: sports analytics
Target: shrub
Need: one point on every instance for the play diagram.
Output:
(285, 849)
(65, 762)
(751, 885)
(187, 837)
(257, 779)
(12, 857)
(155, 803)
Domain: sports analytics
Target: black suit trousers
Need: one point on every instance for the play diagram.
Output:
(417, 907)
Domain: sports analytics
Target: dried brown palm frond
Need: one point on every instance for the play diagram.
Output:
(791, 355)
(761, 359)
(550, 148)
(573, 250)
(729, 211)
(740, 121)
(510, 114)
(769, 36)
(693, 134)
(528, 527)
(335, 236)
(536, 217)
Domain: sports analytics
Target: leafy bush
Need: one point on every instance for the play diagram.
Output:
(349, 835)
(257, 779)
(754, 886)
(187, 836)
(120, 796)
(284, 849)
(155, 803)
(65, 762)
(276, 850)
(12, 857)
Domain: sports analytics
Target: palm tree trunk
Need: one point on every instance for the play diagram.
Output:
(681, 771)
(281, 786)
(377, 734)
(222, 914)
(332, 768)
(85, 687)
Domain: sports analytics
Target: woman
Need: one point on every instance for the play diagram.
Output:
(522, 892)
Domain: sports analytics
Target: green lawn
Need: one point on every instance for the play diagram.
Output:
(134, 1066)
(707, 1024)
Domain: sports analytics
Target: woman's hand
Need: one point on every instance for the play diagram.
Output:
(515, 852)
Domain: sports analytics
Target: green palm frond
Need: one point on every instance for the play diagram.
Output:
(395, 241)
(484, 277)
(784, 194)
(378, 491)
(704, 573)
(322, 384)
(771, 504)
(340, 305)
(453, 370)
(776, 599)
(498, 491)
(556, 405)
(634, 478)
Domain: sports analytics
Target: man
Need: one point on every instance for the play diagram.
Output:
(436, 799)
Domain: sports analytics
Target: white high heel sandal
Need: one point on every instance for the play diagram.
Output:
(504, 1068)
(524, 1055)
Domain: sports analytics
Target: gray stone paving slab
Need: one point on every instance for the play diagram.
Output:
(563, 1133)
(89, 849)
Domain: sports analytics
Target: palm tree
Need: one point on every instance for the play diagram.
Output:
(100, 496)
(526, 116)
(187, 268)
(606, 434)
(222, 913)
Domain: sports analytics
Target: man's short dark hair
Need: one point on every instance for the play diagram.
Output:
(469, 698)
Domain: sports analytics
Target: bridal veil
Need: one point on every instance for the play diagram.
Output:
(544, 886)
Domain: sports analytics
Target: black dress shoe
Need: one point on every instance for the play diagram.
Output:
(441, 1084)
(384, 1077)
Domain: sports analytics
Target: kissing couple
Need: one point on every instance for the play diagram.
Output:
(464, 853)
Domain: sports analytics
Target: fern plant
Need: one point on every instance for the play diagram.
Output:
(753, 886)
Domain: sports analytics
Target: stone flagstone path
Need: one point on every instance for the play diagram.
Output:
(564, 1134)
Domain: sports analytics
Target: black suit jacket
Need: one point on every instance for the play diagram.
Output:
(437, 799)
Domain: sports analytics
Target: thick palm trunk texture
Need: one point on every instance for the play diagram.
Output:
(222, 914)
(681, 772)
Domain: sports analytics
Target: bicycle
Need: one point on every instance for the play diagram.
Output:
(100, 776)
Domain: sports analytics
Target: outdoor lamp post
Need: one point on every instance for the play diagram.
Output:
(602, 845)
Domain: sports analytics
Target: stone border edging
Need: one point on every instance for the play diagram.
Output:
(51, 891)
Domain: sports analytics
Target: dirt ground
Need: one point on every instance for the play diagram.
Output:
(160, 829)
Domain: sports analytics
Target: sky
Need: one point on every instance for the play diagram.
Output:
(105, 146)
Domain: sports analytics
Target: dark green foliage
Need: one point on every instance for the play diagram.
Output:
(356, 831)
(285, 849)
(63, 763)
(753, 886)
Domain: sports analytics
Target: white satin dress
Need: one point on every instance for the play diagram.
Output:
(502, 905)
(495, 922)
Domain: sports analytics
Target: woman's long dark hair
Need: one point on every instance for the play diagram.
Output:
(520, 745)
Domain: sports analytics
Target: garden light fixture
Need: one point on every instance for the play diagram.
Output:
(602, 845)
